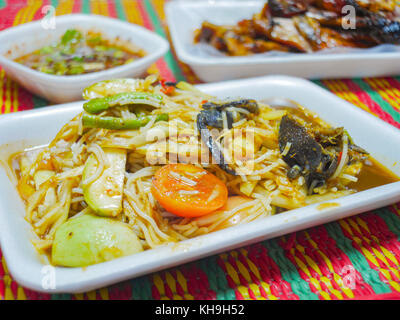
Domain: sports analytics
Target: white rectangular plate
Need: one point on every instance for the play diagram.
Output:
(26, 38)
(41, 125)
(183, 17)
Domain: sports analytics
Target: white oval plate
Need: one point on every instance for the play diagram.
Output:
(26, 38)
(41, 125)
(184, 17)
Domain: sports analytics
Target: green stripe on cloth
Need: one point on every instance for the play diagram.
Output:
(216, 278)
(169, 58)
(86, 6)
(39, 102)
(288, 271)
(392, 220)
(61, 296)
(54, 3)
(3, 3)
(359, 262)
(141, 288)
(120, 10)
(378, 99)
(319, 83)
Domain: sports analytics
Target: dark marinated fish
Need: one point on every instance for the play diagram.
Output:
(318, 37)
(305, 155)
(287, 8)
(306, 26)
(285, 32)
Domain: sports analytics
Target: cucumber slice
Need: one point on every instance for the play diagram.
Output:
(90, 239)
(104, 195)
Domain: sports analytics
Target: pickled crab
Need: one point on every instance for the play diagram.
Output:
(222, 115)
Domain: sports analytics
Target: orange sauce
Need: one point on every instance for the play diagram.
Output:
(373, 174)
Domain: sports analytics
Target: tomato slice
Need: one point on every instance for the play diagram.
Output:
(188, 191)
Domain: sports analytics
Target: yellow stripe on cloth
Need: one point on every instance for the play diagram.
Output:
(104, 8)
(2, 90)
(91, 295)
(170, 280)
(26, 13)
(347, 291)
(104, 294)
(382, 87)
(373, 255)
(64, 7)
(158, 282)
(7, 102)
(37, 4)
(96, 7)
(20, 13)
(132, 12)
(244, 272)
(180, 278)
(310, 263)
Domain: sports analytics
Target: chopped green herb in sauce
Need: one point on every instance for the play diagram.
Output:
(78, 53)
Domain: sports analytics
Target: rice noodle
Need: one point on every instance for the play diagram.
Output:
(344, 158)
(101, 163)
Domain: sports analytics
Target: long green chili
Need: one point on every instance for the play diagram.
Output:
(114, 123)
(98, 105)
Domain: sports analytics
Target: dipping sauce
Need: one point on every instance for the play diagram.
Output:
(372, 175)
(79, 53)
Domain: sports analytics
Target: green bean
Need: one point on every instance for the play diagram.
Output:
(98, 105)
(114, 123)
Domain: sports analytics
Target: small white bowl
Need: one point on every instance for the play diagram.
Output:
(32, 36)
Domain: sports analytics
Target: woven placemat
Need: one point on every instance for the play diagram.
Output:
(354, 258)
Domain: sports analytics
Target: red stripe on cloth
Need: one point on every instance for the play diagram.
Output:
(77, 8)
(25, 101)
(4, 90)
(359, 239)
(388, 89)
(112, 11)
(122, 291)
(395, 84)
(38, 14)
(373, 106)
(197, 283)
(339, 260)
(7, 14)
(386, 239)
(384, 296)
(269, 273)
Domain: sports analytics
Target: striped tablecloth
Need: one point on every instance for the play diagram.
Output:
(354, 258)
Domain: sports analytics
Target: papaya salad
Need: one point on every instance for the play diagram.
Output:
(149, 162)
